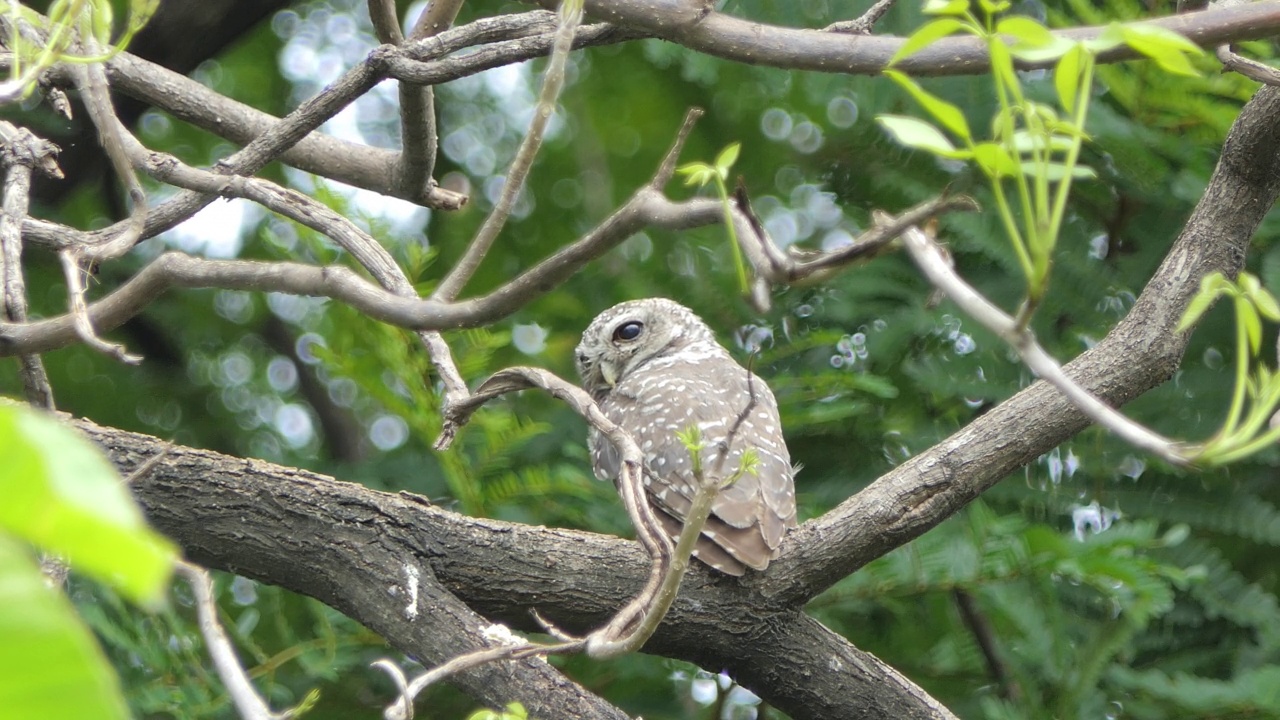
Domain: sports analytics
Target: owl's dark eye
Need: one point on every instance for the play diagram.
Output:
(628, 330)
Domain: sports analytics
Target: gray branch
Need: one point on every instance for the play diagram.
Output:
(361, 545)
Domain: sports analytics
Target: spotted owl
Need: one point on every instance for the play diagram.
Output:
(656, 370)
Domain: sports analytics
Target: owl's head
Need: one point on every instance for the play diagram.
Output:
(630, 334)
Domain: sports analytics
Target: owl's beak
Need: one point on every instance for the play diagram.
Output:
(609, 372)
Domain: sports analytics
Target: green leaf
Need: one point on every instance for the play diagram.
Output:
(50, 665)
(1176, 535)
(1250, 323)
(1042, 53)
(925, 36)
(62, 495)
(727, 158)
(1266, 304)
(1025, 141)
(916, 133)
(1110, 38)
(1251, 287)
(513, 711)
(995, 160)
(1066, 77)
(946, 7)
(994, 7)
(1002, 63)
(1211, 286)
(699, 173)
(1166, 47)
(1025, 30)
(1055, 172)
(946, 113)
(101, 20)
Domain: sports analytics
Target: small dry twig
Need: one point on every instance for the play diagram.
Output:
(552, 82)
(862, 25)
(1252, 69)
(248, 703)
(934, 264)
(74, 273)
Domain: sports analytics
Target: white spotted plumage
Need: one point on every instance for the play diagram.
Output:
(673, 375)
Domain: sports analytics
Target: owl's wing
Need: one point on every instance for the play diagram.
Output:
(749, 517)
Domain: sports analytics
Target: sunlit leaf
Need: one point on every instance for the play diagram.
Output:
(1042, 53)
(1055, 172)
(1002, 64)
(1266, 303)
(946, 113)
(916, 133)
(1251, 323)
(994, 7)
(995, 160)
(698, 173)
(926, 35)
(1110, 38)
(62, 495)
(946, 7)
(727, 158)
(1066, 77)
(49, 663)
(1199, 304)
(1166, 47)
(1025, 142)
(1025, 30)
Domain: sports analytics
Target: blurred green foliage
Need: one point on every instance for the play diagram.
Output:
(1102, 583)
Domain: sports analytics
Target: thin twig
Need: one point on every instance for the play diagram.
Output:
(415, 168)
(310, 212)
(20, 152)
(862, 25)
(74, 274)
(91, 81)
(772, 265)
(1252, 69)
(668, 167)
(175, 269)
(985, 636)
(933, 263)
(144, 469)
(552, 82)
(419, 142)
(248, 703)
(402, 708)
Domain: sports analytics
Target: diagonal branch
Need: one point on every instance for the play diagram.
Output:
(513, 182)
(697, 27)
(933, 262)
(21, 152)
(1142, 351)
(502, 569)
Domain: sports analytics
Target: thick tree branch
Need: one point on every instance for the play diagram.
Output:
(367, 561)
(362, 544)
(697, 27)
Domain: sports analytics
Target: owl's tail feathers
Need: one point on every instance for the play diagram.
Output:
(723, 547)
